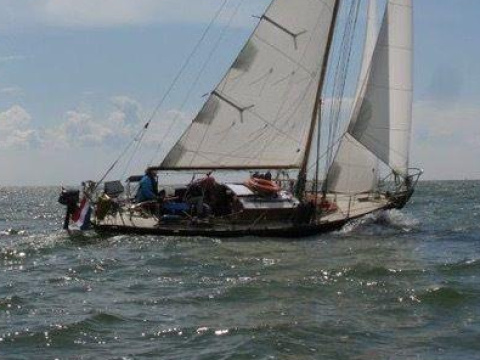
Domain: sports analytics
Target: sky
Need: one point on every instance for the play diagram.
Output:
(79, 78)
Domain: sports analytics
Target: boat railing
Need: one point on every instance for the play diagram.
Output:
(414, 175)
(394, 183)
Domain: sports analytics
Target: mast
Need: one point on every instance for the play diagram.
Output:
(316, 114)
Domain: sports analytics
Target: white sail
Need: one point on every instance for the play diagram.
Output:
(355, 168)
(383, 120)
(260, 113)
(370, 41)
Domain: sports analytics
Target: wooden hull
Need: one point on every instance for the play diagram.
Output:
(286, 231)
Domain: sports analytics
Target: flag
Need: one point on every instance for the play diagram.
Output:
(81, 217)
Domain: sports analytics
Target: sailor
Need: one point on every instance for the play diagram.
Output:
(199, 194)
(70, 199)
(148, 187)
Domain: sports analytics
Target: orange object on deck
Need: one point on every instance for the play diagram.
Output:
(323, 204)
(262, 186)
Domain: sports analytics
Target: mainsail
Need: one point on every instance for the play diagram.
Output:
(259, 115)
(381, 123)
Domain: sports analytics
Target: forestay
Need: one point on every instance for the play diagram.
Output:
(355, 168)
(260, 113)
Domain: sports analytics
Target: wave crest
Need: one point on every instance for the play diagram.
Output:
(388, 220)
(442, 296)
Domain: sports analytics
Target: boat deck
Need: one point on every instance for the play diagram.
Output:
(355, 207)
(347, 209)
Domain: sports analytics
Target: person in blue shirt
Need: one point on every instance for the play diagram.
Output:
(148, 187)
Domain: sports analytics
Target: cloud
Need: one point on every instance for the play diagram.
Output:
(167, 127)
(128, 110)
(110, 13)
(446, 139)
(85, 130)
(12, 58)
(116, 128)
(95, 13)
(446, 84)
(14, 91)
(16, 131)
(79, 129)
(456, 123)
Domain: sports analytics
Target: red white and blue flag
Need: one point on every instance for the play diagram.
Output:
(81, 217)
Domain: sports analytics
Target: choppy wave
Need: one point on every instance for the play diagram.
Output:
(465, 266)
(13, 232)
(32, 244)
(398, 219)
(367, 270)
(391, 220)
(362, 293)
(88, 330)
(13, 302)
(443, 296)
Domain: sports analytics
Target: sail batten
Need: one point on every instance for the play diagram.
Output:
(262, 108)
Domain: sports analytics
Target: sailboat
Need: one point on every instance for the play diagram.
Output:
(263, 121)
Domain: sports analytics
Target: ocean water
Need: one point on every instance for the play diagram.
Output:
(399, 285)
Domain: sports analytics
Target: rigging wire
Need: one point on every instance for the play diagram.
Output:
(340, 78)
(197, 79)
(377, 141)
(132, 142)
(186, 99)
(140, 135)
(329, 148)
